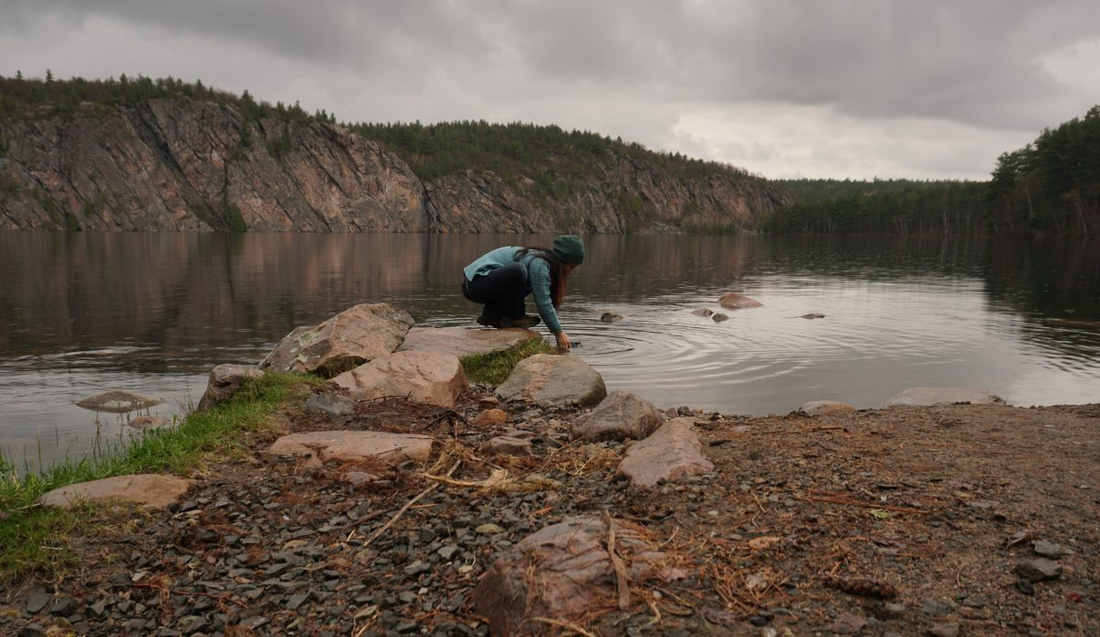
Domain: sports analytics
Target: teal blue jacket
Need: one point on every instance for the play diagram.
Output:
(538, 278)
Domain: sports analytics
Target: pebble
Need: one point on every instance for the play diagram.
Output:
(488, 529)
(1039, 569)
(64, 607)
(1049, 550)
(38, 601)
(944, 630)
(935, 608)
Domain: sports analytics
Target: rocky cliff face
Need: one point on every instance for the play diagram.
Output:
(180, 164)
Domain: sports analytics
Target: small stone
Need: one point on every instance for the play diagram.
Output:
(718, 317)
(39, 600)
(447, 552)
(488, 529)
(1038, 570)
(335, 405)
(1046, 549)
(508, 446)
(358, 478)
(296, 601)
(489, 418)
(191, 623)
(64, 607)
(848, 624)
(936, 609)
(944, 630)
(1025, 586)
(894, 609)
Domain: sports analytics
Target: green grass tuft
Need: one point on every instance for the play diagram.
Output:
(494, 368)
(33, 538)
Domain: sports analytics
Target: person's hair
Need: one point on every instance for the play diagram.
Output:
(557, 271)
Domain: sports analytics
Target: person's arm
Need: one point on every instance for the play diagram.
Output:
(538, 272)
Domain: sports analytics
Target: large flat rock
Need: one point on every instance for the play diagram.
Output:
(553, 381)
(462, 341)
(673, 451)
(929, 396)
(563, 572)
(430, 378)
(224, 381)
(149, 489)
(353, 446)
(353, 337)
(620, 416)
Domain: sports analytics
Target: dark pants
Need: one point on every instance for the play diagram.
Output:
(502, 291)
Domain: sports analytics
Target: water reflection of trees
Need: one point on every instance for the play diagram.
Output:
(187, 296)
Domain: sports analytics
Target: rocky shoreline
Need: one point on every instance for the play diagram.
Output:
(542, 507)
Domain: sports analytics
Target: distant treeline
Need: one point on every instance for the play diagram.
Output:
(23, 97)
(895, 206)
(1051, 187)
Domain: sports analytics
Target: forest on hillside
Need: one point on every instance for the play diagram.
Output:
(546, 154)
(1049, 187)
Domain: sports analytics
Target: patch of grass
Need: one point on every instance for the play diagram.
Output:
(494, 368)
(33, 538)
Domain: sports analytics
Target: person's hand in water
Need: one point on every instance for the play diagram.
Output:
(563, 340)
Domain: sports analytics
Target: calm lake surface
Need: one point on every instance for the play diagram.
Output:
(152, 313)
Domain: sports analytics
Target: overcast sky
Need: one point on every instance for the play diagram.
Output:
(814, 88)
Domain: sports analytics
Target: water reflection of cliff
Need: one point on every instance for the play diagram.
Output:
(191, 294)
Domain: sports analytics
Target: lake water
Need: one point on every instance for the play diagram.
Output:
(152, 313)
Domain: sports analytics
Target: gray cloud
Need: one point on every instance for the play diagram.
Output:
(623, 68)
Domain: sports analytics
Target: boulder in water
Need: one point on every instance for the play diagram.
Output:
(735, 301)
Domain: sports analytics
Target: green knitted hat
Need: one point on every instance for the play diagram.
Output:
(568, 249)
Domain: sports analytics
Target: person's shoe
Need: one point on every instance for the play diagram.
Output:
(488, 319)
(523, 321)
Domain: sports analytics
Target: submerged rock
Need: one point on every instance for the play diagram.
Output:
(119, 402)
(149, 489)
(718, 317)
(735, 301)
(610, 317)
(353, 337)
(704, 312)
(148, 422)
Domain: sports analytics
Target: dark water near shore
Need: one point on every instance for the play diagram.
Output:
(151, 313)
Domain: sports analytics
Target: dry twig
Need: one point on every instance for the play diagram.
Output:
(621, 581)
(857, 503)
(561, 623)
(387, 525)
